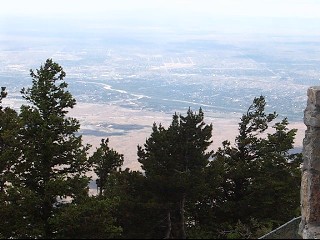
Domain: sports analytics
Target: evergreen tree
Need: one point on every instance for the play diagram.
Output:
(138, 211)
(260, 173)
(174, 160)
(9, 126)
(91, 219)
(105, 161)
(3, 94)
(53, 162)
(9, 153)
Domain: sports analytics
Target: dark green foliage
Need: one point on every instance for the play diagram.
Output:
(252, 230)
(105, 161)
(260, 173)
(138, 213)
(174, 161)
(9, 152)
(20, 218)
(48, 92)
(53, 162)
(3, 94)
(92, 219)
(9, 145)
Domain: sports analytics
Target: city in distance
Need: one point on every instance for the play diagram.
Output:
(124, 80)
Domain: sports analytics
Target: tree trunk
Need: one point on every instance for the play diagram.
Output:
(2, 185)
(178, 220)
(182, 234)
(169, 227)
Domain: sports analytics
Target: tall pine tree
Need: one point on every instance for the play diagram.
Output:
(9, 126)
(54, 160)
(9, 153)
(260, 172)
(174, 160)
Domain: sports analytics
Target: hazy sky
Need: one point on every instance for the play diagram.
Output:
(276, 16)
(270, 8)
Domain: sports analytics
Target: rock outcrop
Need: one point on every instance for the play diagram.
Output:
(310, 183)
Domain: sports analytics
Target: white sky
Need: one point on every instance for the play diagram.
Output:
(224, 8)
(299, 17)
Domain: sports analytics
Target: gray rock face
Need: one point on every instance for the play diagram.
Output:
(310, 183)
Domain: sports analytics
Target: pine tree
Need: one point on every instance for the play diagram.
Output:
(54, 161)
(139, 213)
(260, 173)
(9, 125)
(174, 160)
(91, 219)
(9, 146)
(9, 153)
(105, 161)
(3, 94)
